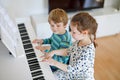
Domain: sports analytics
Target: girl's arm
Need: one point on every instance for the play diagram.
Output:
(61, 52)
(52, 62)
(61, 66)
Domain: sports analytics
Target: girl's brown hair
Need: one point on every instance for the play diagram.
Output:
(85, 21)
(58, 15)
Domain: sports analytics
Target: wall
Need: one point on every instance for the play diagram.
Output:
(22, 8)
(28, 7)
(112, 3)
(107, 19)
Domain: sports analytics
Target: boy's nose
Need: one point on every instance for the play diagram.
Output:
(55, 28)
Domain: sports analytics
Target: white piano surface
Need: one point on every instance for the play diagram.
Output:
(12, 68)
(17, 67)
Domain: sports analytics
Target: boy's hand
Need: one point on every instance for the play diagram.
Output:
(40, 48)
(35, 41)
(39, 41)
(47, 56)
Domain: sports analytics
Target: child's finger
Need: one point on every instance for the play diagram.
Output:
(42, 56)
(34, 41)
(44, 60)
(38, 47)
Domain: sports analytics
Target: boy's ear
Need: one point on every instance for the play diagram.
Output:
(65, 26)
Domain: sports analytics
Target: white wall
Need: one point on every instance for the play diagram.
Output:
(108, 23)
(27, 7)
(22, 8)
(113, 3)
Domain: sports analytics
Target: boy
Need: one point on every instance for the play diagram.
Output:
(60, 38)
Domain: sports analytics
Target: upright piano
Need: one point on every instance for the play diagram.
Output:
(17, 36)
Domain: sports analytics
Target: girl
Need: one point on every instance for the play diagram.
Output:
(82, 52)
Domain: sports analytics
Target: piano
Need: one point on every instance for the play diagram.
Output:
(20, 45)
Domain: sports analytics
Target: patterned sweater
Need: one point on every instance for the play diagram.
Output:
(81, 64)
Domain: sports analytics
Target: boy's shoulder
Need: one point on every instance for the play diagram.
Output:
(64, 37)
(67, 36)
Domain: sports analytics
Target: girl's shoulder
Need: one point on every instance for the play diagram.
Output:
(89, 47)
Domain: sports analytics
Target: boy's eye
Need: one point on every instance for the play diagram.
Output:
(58, 25)
(52, 25)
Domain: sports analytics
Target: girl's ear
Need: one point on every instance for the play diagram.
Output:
(85, 32)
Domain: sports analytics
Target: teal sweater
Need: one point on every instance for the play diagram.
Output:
(59, 41)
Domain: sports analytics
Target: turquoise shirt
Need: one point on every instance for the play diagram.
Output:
(59, 41)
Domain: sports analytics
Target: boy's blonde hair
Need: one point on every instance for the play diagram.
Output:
(58, 15)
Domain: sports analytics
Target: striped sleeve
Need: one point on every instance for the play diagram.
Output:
(64, 44)
(47, 41)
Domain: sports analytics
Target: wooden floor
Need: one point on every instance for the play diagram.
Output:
(107, 61)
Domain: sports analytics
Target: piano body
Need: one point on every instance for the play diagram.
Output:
(17, 36)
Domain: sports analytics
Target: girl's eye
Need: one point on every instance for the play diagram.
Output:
(73, 32)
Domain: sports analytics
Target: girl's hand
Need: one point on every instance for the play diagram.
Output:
(49, 61)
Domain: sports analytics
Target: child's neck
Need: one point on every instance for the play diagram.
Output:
(63, 32)
(84, 42)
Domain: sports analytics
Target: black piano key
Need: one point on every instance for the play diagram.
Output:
(22, 24)
(22, 27)
(26, 42)
(24, 34)
(32, 61)
(25, 38)
(31, 55)
(34, 67)
(26, 46)
(39, 78)
(22, 31)
(37, 73)
(29, 50)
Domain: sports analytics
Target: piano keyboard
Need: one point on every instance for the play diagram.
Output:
(36, 71)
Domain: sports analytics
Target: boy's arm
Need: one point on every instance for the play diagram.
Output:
(47, 41)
